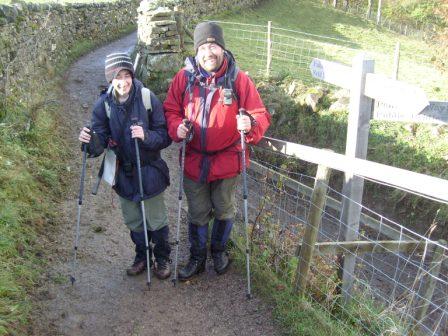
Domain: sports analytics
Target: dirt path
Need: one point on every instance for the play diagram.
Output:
(104, 301)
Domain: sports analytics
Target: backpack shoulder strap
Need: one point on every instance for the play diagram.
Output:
(106, 104)
(146, 96)
(233, 77)
(190, 83)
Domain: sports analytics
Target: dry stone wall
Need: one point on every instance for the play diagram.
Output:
(34, 38)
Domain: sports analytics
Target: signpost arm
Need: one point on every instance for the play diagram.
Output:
(356, 146)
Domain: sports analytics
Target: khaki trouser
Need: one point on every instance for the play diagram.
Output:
(155, 210)
(207, 200)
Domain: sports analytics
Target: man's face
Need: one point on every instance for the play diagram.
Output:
(210, 56)
(122, 83)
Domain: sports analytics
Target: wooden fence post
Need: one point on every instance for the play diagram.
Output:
(356, 146)
(269, 50)
(396, 60)
(428, 291)
(314, 219)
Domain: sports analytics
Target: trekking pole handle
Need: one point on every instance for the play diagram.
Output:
(189, 125)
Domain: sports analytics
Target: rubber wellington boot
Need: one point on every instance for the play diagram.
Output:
(198, 252)
(220, 235)
(162, 252)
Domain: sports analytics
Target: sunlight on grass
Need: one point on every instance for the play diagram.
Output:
(340, 37)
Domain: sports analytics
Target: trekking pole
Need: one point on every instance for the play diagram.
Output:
(246, 223)
(187, 123)
(142, 205)
(78, 217)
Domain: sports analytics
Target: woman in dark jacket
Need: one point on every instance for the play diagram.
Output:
(119, 117)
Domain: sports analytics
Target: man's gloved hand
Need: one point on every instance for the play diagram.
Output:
(185, 130)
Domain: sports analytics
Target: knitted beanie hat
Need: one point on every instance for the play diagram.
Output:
(208, 32)
(115, 63)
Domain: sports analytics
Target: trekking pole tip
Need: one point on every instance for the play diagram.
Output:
(72, 279)
(148, 284)
(248, 296)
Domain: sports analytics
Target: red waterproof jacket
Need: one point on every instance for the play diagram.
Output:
(215, 150)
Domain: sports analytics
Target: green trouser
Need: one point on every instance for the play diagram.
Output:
(207, 200)
(155, 210)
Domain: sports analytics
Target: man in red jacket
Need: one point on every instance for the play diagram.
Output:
(208, 93)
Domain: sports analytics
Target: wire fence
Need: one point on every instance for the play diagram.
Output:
(400, 280)
(268, 50)
(424, 31)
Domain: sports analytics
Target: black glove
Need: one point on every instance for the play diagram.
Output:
(94, 147)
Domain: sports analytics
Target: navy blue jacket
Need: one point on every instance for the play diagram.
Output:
(116, 133)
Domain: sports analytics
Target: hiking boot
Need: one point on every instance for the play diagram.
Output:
(197, 235)
(221, 262)
(194, 266)
(139, 264)
(162, 252)
(136, 268)
(162, 269)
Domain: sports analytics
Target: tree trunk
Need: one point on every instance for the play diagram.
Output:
(378, 14)
(369, 9)
(335, 3)
(345, 5)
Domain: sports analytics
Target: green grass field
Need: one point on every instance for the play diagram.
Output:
(337, 36)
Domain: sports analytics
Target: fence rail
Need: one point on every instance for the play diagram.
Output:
(400, 276)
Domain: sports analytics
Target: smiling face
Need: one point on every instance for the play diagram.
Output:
(122, 83)
(210, 56)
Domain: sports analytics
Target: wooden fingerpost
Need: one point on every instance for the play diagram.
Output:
(314, 219)
(356, 147)
(269, 49)
(430, 284)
